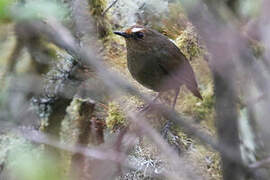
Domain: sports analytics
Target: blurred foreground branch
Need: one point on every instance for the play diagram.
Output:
(219, 30)
(116, 83)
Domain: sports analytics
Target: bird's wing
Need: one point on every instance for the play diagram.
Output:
(175, 63)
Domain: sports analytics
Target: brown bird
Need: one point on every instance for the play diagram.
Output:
(156, 62)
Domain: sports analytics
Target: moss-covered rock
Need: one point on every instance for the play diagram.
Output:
(115, 118)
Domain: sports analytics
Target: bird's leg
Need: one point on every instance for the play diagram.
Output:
(167, 131)
(149, 105)
(175, 98)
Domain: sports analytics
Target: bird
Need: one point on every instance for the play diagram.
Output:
(157, 63)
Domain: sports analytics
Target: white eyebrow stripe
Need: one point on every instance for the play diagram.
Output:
(136, 29)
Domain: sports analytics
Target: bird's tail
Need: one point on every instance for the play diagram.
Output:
(195, 91)
(185, 75)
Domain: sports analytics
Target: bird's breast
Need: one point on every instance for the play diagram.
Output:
(144, 68)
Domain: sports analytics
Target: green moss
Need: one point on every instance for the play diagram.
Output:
(201, 110)
(188, 42)
(257, 48)
(5, 10)
(205, 108)
(175, 22)
(103, 26)
(184, 139)
(69, 131)
(115, 118)
(49, 48)
(207, 160)
(98, 7)
(170, 23)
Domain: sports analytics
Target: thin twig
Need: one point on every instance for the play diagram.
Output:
(97, 152)
(108, 8)
(259, 164)
(62, 37)
(93, 152)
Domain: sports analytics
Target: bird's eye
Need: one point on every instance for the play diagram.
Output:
(139, 35)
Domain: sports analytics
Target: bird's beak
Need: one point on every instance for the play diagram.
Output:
(123, 34)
